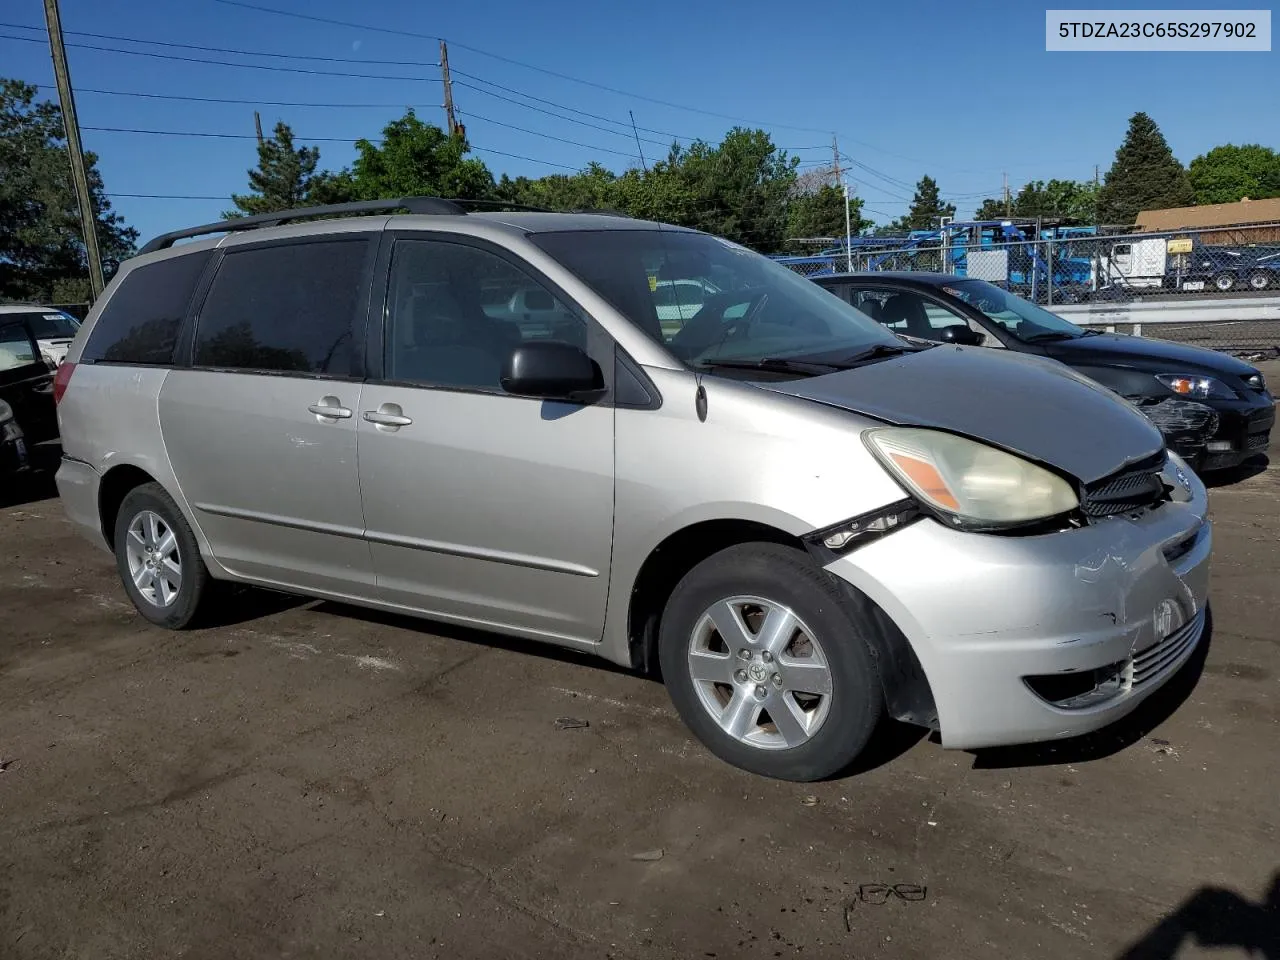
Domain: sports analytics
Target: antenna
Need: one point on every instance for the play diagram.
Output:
(636, 132)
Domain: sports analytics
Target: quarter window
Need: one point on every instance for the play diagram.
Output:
(287, 308)
(139, 324)
(456, 312)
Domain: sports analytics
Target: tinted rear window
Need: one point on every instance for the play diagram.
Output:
(284, 308)
(48, 324)
(140, 322)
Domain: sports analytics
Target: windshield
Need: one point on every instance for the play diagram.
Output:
(708, 299)
(51, 325)
(1020, 317)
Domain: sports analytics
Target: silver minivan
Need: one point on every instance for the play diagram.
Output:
(802, 521)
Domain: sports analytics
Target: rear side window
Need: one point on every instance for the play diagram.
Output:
(284, 308)
(140, 322)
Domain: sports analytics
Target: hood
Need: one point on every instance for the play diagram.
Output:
(1034, 407)
(1146, 354)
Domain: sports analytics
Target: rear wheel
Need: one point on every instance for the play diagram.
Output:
(1259, 280)
(158, 558)
(768, 665)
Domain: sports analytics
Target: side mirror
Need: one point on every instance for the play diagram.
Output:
(552, 370)
(959, 333)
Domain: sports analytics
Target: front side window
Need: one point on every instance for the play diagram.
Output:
(749, 307)
(139, 324)
(446, 326)
(286, 308)
(16, 349)
(1020, 317)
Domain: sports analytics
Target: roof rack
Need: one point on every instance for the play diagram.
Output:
(422, 205)
(434, 206)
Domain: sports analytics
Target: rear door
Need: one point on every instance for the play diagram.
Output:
(260, 422)
(26, 381)
(480, 506)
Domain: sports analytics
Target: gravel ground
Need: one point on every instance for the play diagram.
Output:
(313, 780)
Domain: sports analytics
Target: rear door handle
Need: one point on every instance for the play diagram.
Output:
(388, 417)
(330, 408)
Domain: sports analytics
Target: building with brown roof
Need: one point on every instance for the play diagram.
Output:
(1244, 222)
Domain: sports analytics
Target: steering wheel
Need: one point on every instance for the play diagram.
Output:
(708, 326)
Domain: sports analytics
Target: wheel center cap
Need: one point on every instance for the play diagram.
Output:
(758, 672)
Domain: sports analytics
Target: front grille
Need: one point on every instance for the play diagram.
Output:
(1132, 489)
(1152, 661)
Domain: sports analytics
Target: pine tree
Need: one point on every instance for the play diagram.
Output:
(1145, 176)
(927, 208)
(283, 177)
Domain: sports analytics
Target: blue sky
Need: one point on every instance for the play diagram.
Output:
(962, 91)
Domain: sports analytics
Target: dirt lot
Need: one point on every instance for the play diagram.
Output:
(311, 780)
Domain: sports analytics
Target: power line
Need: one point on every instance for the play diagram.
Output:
(250, 136)
(164, 196)
(229, 63)
(260, 103)
(244, 53)
(538, 133)
(518, 63)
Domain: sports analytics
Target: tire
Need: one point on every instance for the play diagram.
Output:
(825, 732)
(1259, 280)
(166, 603)
(1224, 282)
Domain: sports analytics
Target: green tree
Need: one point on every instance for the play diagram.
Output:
(821, 214)
(283, 178)
(1229, 173)
(42, 255)
(594, 188)
(414, 159)
(1054, 200)
(927, 208)
(1145, 176)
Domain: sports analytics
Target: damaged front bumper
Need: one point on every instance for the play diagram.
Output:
(1034, 638)
(1212, 435)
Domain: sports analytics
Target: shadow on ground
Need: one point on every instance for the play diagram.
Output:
(1214, 917)
(1121, 735)
(1225, 478)
(474, 636)
(35, 483)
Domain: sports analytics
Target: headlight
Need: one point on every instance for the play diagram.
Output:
(1194, 385)
(970, 481)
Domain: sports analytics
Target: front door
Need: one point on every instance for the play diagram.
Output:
(481, 507)
(261, 427)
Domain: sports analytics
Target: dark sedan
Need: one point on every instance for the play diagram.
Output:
(1213, 409)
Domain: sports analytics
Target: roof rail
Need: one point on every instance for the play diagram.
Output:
(422, 205)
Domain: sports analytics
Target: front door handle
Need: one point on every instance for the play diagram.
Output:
(388, 417)
(329, 409)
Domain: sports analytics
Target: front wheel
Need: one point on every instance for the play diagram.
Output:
(158, 558)
(1224, 281)
(767, 663)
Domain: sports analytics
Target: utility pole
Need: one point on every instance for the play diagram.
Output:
(1095, 175)
(835, 159)
(1007, 209)
(454, 126)
(79, 177)
(848, 232)
(257, 126)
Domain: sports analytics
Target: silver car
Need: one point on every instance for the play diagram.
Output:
(802, 521)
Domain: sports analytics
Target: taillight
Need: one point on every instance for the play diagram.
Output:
(61, 379)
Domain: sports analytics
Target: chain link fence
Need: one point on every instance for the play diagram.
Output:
(1062, 267)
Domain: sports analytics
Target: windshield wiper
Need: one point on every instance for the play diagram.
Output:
(808, 368)
(1050, 335)
(877, 352)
